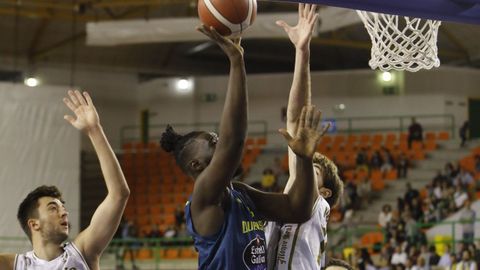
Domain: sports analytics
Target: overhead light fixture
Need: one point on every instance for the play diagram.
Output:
(31, 82)
(184, 85)
(386, 76)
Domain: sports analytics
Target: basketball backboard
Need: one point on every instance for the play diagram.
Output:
(465, 11)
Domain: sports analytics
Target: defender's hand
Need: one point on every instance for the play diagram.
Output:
(301, 34)
(306, 138)
(86, 116)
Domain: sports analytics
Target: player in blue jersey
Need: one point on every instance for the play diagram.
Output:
(225, 220)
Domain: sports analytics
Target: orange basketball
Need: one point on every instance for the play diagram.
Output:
(228, 17)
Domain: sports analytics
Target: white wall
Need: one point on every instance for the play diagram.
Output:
(37, 147)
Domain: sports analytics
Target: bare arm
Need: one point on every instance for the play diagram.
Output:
(6, 261)
(288, 207)
(295, 206)
(95, 238)
(211, 184)
(300, 92)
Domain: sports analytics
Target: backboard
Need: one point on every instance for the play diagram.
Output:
(464, 11)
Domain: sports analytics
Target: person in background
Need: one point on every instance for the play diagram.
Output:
(385, 216)
(268, 180)
(402, 166)
(399, 256)
(466, 263)
(464, 133)
(467, 219)
(415, 133)
(445, 260)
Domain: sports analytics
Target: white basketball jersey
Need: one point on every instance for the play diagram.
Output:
(70, 259)
(301, 246)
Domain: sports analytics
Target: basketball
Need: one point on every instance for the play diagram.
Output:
(228, 17)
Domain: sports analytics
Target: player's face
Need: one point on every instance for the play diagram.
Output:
(202, 149)
(53, 220)
(318, 175)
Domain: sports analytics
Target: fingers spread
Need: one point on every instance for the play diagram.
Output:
(69, 118)
(80, 98)
(285, 134)
(326, 128)
(309, 116)
(69, 104)
(88, 98)
(317, 115)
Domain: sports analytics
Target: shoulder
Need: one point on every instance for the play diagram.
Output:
(7, 261)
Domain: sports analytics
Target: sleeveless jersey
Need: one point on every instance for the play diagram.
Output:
(70, 259)
(240, 243)
(300, 246)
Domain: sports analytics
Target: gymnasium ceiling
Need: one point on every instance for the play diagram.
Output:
(52, 32)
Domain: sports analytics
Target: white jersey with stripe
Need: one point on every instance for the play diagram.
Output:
(301, 246)
(70, 259)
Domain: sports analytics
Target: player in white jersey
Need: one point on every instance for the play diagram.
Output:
(302, 246)
(44, 218)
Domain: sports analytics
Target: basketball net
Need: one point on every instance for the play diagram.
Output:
(401, 44)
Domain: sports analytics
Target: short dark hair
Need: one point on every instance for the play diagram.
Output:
(29, 206)
(339, 263)
(331, 179)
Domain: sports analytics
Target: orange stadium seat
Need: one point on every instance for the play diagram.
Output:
(430, 136)
(444, 135)
(391, 174)
(430, 145)
(171, 253)
(262, 141)
(391, 137)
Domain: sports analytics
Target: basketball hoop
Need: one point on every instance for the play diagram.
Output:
(409, 44)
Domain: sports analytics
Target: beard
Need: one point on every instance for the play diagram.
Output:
(53, 234)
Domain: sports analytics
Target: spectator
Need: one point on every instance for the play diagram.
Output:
(384, 258)
(411, 228)
(365, 262)
(415, 133)
(154, 232)
(450, 170)
(364, 191)
(464, 133)
(268, 180)
(388, 161)
(434, 258)
(467, 263)
(385, 216)
(129, 234)
(416, 209)
(421, 264)
(362, 160)
(445, 260)
(399, 256)
(170, 232)
(459, 197)
(410, 194)
(464, 178)
(467, 218)
(179, 216)
(402, 166)
(376, 161)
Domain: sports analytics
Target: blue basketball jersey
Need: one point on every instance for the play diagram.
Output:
(240, 243)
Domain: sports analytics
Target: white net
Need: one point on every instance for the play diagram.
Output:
(401, 44)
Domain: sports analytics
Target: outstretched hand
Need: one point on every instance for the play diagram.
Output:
(86, 116)
(301, 34)
(306, 138)
(231, 47)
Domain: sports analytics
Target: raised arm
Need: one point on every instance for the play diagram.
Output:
(300, 92)
(95, 238)
(295, 206)
(211, 184)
